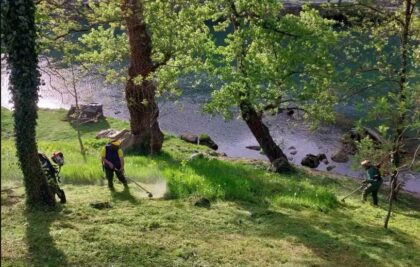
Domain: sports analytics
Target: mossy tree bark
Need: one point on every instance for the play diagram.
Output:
(140, 89)
(18, 26)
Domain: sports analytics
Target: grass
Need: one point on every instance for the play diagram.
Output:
(256, 218)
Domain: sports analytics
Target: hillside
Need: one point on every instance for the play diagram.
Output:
(256, 218)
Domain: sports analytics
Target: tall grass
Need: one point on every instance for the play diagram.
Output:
(210, 178)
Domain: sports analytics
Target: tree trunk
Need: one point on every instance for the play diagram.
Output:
(404, 39)
(22, 59)
(261, 133)
(140, 90)
(392, 185)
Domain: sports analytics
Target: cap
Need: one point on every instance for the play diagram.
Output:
(365, 162)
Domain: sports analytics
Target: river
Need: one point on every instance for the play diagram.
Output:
(186, 114)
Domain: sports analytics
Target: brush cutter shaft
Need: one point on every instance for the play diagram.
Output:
(138, 185)
(357, 189)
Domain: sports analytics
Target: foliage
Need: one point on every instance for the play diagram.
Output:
(282, 61)
(94, 35)
(380, 68)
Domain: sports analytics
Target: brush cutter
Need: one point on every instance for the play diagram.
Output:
(150, 195)
(357, 189)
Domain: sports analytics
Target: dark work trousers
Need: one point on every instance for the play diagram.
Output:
(110, 177)
(372, 189)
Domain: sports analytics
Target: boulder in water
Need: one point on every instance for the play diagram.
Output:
(293, 152)
(329, 168)
(256, 148)
(340, 156)
(310, 161)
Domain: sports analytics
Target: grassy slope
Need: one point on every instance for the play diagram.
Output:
(256, 218)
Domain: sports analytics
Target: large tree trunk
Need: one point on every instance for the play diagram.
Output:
(22, 59)
(262, 134)
(140, 91)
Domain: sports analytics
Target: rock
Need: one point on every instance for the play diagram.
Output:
(321, 156)
(293, 152)
(127, 139)
(257, 148)
(202, 203)
(189, 137)
(207, 141)
(310, 161)
(106, 133)
(350, 148)
(290, 158)
(340, 156)
(290, 112)
(329, 168)
(119, 135)
(203, 139)
(280, 165)
(325, 161)
(292, 148)
(86, 113)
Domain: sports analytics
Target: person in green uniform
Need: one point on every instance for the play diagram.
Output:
(373, 181)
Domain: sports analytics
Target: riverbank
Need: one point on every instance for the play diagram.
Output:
(256, 218)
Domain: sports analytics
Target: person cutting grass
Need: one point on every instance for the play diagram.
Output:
(112, 158)
(373, 181)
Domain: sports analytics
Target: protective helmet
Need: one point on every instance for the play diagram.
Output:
(58, 158)
(116, 142)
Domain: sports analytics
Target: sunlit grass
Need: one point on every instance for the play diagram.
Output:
(256, 218)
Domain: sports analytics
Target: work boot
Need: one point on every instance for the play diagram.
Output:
(111, 186)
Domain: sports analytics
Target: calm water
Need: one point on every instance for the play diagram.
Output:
(231, 136)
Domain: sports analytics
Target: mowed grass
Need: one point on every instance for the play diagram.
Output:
(256, 218)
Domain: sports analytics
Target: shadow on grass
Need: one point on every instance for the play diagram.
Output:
(41, 246)
(90, 127)
(124, 195)
(353, 244)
